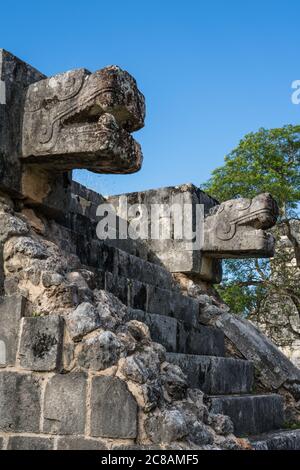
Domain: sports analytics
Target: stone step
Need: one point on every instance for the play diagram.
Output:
(250, 414)
(173, 304)
(136, 282)
(284, 439)
(78, 236)
(215, 375)
(179, 337)
(151, 299)
(133, 267)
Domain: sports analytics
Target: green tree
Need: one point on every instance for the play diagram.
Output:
(264, 161)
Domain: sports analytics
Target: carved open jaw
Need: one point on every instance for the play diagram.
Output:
(259, 221)
(111, 148)
(83, 120)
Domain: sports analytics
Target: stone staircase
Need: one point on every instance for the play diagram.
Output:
(173, 319)
(154, 298)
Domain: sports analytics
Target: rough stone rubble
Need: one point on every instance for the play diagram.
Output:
(79, 372)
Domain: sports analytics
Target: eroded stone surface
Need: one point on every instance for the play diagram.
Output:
(114, 409)
(64, 404)
(273, 366)
(174, 381)
(278, 440)
(80, 443)
(221, 424)
(176, 255)
(82, 120)
(215, 375)
(83, 320)
(250, 414)
(41, 343)
(142, 366)
(237, 227)
(19, 402)
(15, 76)
(30, 443)
(11, 311)
(100, 351)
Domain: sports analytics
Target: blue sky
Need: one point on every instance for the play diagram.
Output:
(211, 71)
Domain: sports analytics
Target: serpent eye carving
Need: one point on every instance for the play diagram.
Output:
(237, 228)
(225, 230)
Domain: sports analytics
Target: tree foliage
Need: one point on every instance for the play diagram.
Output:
(265, 161)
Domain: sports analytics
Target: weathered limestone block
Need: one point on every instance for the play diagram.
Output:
(215, 375)
(84, 201)
(11, 226)
(250, 414)
(41, 343)
(174, 381)
(117, 286)
(15, 76)
(175, 254)
(36, 185)
(114, 409)
(209, 313)
(273, 366)
(65, 404)
(80, 443)
(27, 246)
(50, 279)
(111, 310)
(100, 351)
(138, 295)
(152, 393)
(11, 312)
(82, 120)
(19, 402)
(236, 228)
(173, 304)
(166, 427)
(164, 330)
(30, 443)
(221, 424)
(277, 440)
(132, 267)
(177, 336)
(142, 366)
(84, 319)
(198, 432)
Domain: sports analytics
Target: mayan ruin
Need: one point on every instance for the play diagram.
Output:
(122, 344)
